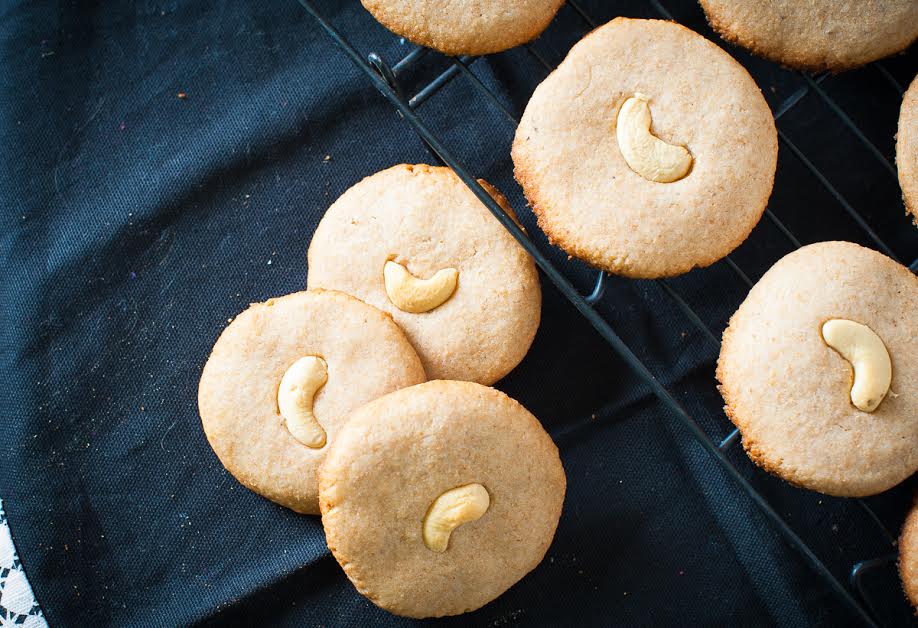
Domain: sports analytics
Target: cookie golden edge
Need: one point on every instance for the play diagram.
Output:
(326, 505)
(427, 169)
(758, 455)
(421, 37)
(909, 539)
(525, 344)
(522, 172)
(208, 387)
(790, 60)
(497, 373)
(908, 178)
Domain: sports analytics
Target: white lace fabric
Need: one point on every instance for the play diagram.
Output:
(18, 606)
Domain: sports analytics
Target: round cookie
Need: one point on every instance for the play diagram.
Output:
(818, 34)
(427, 220)
(365, 356)
(907, 149)
(389, 480)
(595, 176)
(908, 556)
(792, 395)
(465, 27)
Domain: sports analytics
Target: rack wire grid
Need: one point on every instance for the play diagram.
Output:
(858, 595)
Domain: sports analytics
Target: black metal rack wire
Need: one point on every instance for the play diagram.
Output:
(385, 79)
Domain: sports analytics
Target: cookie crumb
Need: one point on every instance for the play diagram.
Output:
(182, 96)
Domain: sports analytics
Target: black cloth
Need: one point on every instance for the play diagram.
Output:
(165, 164)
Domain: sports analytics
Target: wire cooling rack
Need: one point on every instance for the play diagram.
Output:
(859, 594)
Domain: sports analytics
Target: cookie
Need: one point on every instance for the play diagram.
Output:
(415, 242)
(282, 379)
(908, 556)
(648, 152)
(465, 27)
(818, 34)
(818, 370)
(438, 498)
(907, 149)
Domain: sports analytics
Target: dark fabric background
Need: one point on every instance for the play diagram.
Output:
(135, 224)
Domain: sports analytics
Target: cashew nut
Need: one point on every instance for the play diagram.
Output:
(645, 153)
(297, 390)
(868, 356)
(450, 510)
(410, 294)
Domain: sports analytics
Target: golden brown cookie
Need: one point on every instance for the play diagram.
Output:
(438, 498)
(648, 152)
(817, 34)
(282, 379)
(907, 149)
(829, 332)
(415, 242)
(469, 27)
(908, 556)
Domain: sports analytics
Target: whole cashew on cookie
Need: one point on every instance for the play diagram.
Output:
(645, 153)
(295, 395)
(411, 294)
(868, 356)
(450, 510)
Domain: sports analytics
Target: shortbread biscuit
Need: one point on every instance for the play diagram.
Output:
(438, 498)
(793, 395)
(908, 556)
(486, 300)
(638, 205)
(465, 27)
(817, 34)
(365, 356)
(907, 149)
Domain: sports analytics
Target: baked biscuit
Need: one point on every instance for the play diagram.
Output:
(270, 424)
(417, 231)
(465, 27)
(818, 370)
(908, 556)
(648, 152)
(818, 34)
(907, 149)
(438, 498)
